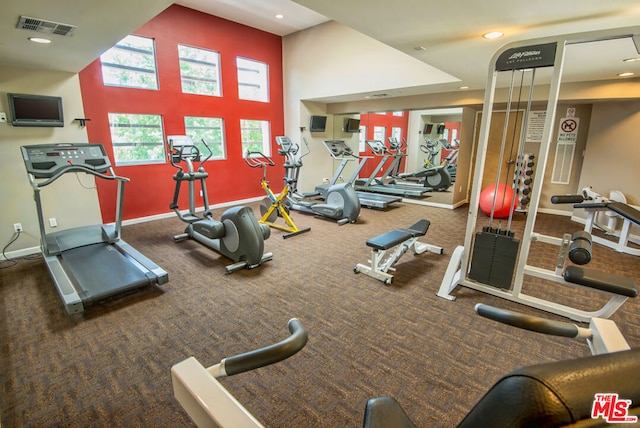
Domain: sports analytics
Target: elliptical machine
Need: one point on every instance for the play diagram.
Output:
(436, 176)
(238, 235)
(341, 201)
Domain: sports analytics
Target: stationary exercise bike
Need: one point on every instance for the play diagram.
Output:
(273, 206)
(238, 235)
(341, 201)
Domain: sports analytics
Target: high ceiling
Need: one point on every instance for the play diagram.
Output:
(446, 36)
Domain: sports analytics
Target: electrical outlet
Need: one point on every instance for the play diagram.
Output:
(53, 222)
(3, 117)
(17, 227)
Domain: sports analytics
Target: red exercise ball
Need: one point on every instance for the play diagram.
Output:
(503, 197)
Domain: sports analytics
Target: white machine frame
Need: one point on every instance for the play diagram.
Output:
(459, 265)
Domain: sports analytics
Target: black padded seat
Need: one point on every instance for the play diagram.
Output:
(602, 281)
(385, 412)
(398, 236)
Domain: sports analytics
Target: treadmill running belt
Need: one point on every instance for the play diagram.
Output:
(100, 271)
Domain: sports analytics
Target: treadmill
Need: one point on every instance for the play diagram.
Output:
(90, 263)
(372, 184)
(339, 150)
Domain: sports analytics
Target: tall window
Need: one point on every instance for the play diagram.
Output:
(199, 71)
(136, 138)
(362, 138)
(252, 80)
(209, 129)
(397, 133)
(130, 63)
(255, 136)
(379, 133)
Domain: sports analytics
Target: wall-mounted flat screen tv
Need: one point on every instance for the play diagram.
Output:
(35, 110)
(440, 129)
(318, 123)
(352, 125)
(428, 128)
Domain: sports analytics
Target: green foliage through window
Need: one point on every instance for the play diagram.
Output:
(130, 63)
(209, 129)
(199, 71)
(255, 136)
(137, 138)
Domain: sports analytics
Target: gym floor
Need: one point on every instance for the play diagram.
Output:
(110, 366)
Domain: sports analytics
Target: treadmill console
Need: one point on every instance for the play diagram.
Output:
(338, 148)
(47, 160)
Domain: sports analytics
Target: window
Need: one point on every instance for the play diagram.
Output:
(199, 71)
(252, 80)
(398, 113)
(209, 129)
(379, 133)
(361, 139)
(396, 132)
(136, 138)
(130, 63)
(255, 136)
(562, 163)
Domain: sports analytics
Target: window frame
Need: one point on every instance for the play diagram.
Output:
(242, 83)
(212, 144)
(216, 74)
(115, 144)
(266, 139)
(106, 65)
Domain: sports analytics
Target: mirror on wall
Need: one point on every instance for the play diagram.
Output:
(426, 139)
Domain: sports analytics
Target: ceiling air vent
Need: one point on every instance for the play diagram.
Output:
(44, 26)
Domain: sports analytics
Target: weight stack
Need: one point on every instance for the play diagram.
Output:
(494, 257)
(523, 180)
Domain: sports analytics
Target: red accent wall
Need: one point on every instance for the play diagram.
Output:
(389, 121)
(151, 187)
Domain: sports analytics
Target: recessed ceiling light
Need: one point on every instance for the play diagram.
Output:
(463, 87)
(419, 48)
(279, 16)
(493, 35)
(631, 59)
(39, 40)
(627, 74)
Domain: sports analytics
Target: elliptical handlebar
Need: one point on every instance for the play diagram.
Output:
(269, 354)
(177, 151)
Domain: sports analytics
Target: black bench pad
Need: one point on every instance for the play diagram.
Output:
(601, 281)
(398, 236)
(626, 211)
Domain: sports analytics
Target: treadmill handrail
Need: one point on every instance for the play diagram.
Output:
(75, 168)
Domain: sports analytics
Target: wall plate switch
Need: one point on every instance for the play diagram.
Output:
(3, 117)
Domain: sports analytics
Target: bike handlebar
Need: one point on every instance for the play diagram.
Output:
(269, 354)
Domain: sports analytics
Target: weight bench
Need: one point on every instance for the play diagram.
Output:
(389, 247)
(629, 215)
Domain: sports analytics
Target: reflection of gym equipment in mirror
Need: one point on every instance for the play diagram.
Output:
(435, 178)
(433, 148)
(493, 260)
(87, 264)
(379, 184)
(341, 201)
(339, 150)
(272, 206)
(207, 402)
(238, 235)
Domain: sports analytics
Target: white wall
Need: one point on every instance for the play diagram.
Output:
(69, 208)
